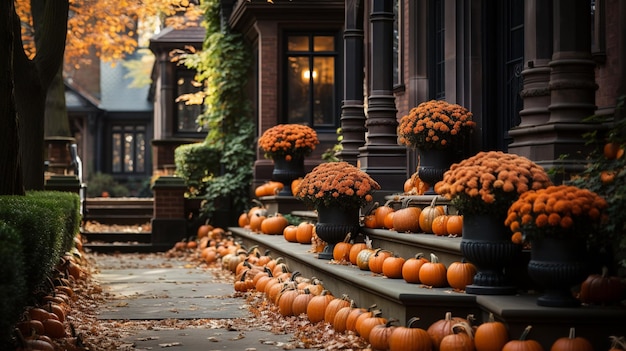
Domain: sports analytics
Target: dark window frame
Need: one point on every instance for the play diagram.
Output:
(310, 54)
(185, 73)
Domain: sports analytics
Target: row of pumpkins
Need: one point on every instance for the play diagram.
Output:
(596, 289)
(44, 325)
(295, 295)
(432, 219)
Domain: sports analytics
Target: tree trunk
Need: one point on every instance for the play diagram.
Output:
(50, 21)
(10, 174)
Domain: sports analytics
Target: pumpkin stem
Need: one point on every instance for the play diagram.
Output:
(492, 318)
(457, 328)
(434, 258)
(448, 316)
(572, 333)
(347, 238)
(412, 321)
(617, 342)
(525, 333)
(391, 322)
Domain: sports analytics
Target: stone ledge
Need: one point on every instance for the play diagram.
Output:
(402, 300)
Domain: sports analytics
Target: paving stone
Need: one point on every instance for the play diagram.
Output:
(179, 308)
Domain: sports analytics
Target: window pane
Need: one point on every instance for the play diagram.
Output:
(299, 77)
(324, 91)
(129, 152)
(325, 43)
(186, 115)
(117, 152)
(141, 151)
(298, 43)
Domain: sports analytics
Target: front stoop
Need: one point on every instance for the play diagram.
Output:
(402, 300)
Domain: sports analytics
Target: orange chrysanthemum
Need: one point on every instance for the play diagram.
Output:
(556, 209)
(435, 124)
(336, 183)
(288, 141)
(499, 178)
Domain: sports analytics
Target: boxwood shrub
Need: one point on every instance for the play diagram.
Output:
(35, 231)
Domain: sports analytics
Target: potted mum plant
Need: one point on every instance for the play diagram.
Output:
(435, 129)
(337, 191)
(287, 145)
(558, 222)
(482, 188)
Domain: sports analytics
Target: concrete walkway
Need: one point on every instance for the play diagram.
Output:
(154, 287)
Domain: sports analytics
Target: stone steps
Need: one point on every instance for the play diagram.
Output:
(403, 301)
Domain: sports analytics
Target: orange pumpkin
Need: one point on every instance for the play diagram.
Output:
(334, 306)
(491, 335)
(365, 323)
(440, 225)
(380, 214)
(392, 267)
(613, 150)
(274, 225)
(433, 273)
(354, 251)
(341, 317)
(428, 214)
(407, 220)
(369, 221)
(341, 251)
(301, 302)
(443, 327)
(460, 274)
(289, 233)
(295, 184)
(388, 222)
(243, 220)
(255, 222)
(317, 306)
(411, 268)
(304, 232)
(461, 339)
(571, 343)
(454, 225)
(410, 338)
(268, 189)
(523, 344)
(204, 230)
(376, 261)
(379, 335)
(602, 289)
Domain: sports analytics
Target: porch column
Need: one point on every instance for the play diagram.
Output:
(572, 85)
(382, 157)
(352, 107)
(527, 137)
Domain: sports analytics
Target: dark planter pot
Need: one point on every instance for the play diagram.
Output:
(557, 264)
(487, 244)
(433, 163)
(333, 224)
(286, 172)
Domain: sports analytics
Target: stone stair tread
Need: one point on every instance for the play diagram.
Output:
(403, 301)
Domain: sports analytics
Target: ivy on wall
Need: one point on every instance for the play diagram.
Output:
(223, 65)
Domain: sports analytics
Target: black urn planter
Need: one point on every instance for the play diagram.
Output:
(486, 242)
(557, 264)
(433, 163)
(333, 224)
(286, 172)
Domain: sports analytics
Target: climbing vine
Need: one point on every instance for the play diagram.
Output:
(223, 65)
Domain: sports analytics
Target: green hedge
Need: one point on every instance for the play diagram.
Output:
(13, 293)
(36, 230)
(197, 163)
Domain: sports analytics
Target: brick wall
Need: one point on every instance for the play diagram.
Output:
(169, 197)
